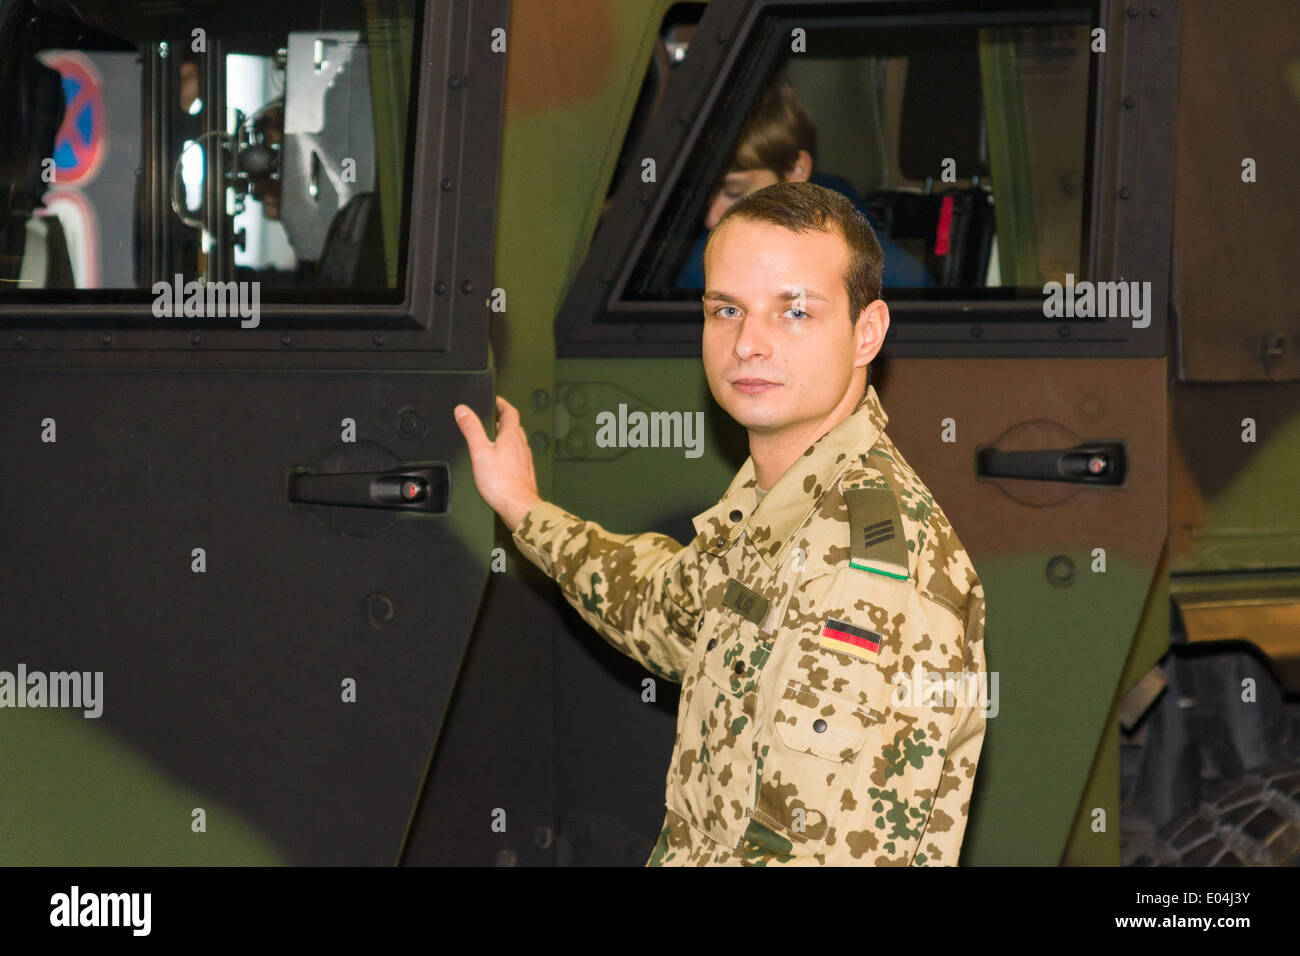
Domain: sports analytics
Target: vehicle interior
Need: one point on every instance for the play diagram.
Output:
(966, 147)
(269, 145)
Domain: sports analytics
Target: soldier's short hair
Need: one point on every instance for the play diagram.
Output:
(776, 129)
(807, 207)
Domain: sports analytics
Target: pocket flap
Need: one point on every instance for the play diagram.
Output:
(819, 723)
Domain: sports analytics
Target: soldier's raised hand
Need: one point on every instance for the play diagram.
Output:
(503, 469)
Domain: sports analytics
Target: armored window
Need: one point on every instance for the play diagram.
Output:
(970, 138)
(243, 142)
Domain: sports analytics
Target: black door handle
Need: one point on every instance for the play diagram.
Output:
(1092, 463)
(422, 488)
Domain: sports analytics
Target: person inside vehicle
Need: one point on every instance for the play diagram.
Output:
(777, 144)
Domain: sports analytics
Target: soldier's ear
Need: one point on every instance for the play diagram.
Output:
(870, 330)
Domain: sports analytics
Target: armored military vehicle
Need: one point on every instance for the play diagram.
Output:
(252, 255)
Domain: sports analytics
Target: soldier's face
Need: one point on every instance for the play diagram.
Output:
(779, 350)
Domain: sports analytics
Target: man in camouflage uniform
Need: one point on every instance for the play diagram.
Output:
(799, 616)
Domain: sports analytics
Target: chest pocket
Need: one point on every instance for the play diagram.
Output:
(711, 778)
(817, 764)
(823, 724)
(734, 651)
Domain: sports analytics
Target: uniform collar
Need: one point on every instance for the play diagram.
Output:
(771, 523)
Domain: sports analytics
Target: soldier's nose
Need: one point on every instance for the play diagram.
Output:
(748, 344)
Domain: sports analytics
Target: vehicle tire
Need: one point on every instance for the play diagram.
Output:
(1250, 821)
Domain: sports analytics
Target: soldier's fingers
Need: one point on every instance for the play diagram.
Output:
(471, 428)
(507, 416)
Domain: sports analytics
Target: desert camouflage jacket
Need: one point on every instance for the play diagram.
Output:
(800, 628)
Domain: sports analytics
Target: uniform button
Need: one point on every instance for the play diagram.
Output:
(740, 667)
(713, 642)
(721, 542)
(737, 515)
(819, 725)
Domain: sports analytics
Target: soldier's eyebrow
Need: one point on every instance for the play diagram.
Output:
(792, 294)
(788, 295)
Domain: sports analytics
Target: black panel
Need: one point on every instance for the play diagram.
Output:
(497, 748)
(229, 681)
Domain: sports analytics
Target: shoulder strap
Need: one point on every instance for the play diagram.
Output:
(877, 543)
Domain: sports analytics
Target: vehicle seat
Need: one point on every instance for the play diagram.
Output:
(31, 113)
(943, 117)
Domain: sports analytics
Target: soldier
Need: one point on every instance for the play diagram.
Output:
(813, 592)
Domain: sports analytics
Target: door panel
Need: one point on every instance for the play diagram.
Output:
(228, 681)
(285, 668)
(1058, 629)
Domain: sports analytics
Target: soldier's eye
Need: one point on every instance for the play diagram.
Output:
(802, 314)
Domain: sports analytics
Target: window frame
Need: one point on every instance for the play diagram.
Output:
(1127, 214)
(454, 144)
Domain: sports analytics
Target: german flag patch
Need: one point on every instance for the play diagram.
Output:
(846, 638)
